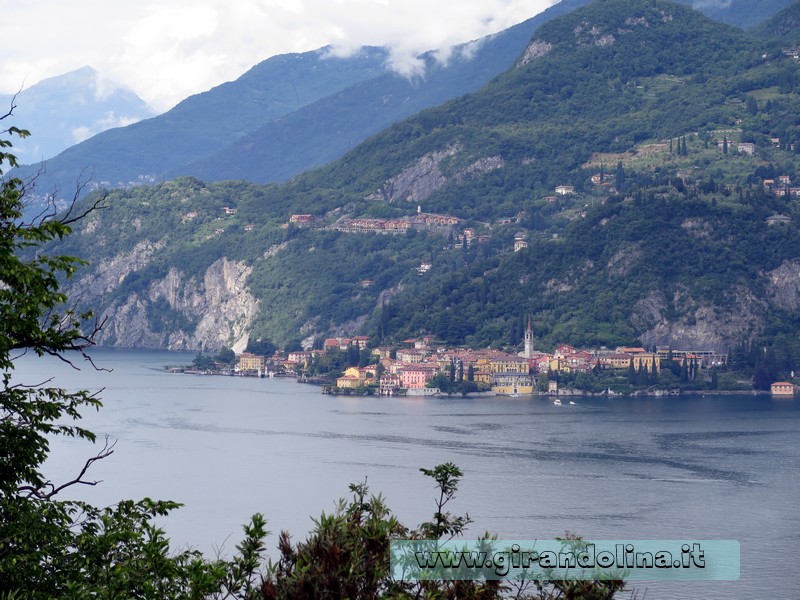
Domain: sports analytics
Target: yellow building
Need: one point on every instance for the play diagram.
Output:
(357, 377)
(251, 362)
(481, 376)
(508, 384)
(348, 382)
(509, 364)
(645, 360)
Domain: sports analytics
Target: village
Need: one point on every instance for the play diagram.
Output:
(421, 367)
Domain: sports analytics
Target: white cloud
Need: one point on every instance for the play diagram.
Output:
(81, 133)
(166, 50)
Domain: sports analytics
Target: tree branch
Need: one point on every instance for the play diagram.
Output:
(108, 450)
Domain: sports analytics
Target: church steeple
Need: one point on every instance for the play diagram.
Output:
(529, 340)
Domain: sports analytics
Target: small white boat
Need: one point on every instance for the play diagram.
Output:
(557, 402)
(571, 402)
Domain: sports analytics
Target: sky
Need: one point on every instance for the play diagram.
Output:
(166, 50)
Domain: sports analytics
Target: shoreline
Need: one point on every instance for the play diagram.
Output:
(567, 393)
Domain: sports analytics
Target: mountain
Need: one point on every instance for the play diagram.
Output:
(295, 112)
(783, 28)
(638, 149)
(347, 99)
(65, 110)
(741, 13)
(323, 131)
(205, 122)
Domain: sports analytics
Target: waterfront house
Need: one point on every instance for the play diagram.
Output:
(416, 377)
(389, 384)
(250, 362)
(782, 388)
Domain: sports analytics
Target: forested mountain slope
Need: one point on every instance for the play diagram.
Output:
(676, 136)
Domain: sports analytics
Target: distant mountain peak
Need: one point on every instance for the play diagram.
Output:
(63, 110)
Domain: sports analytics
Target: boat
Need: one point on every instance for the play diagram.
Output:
(571, 402)
(557, 402)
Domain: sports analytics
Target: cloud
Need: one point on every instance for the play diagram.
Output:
(166, 50)
(103, 88)
(81, 133)
(702, 4)
(108, 121)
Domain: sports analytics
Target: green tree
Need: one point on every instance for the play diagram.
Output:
(226, 356)
(262, 346)
(51, 547)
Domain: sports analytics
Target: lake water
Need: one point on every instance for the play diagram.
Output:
(717, 467)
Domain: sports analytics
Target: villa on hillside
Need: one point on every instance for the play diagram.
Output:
(563, 190)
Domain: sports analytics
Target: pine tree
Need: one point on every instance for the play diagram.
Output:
(620, 176)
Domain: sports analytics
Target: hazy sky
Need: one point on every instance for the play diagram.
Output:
(166, 50)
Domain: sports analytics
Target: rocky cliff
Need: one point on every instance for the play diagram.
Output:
(180, 313)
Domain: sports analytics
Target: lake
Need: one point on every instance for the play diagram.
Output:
(689, 467)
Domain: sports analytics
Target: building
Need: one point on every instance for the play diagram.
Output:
(782, 388)
(416, 377)
(355, 377)
(508, 384)
(520, 242)
(361, 341)
(302, 219)
(389, 384)
(348, 382)
(299, 357)
(746, 148)
(528, 352)
(563, 190)
(705, 357)
(337, 343)
(508, 363)
(250, 362)
(617, 360)
(646, 360)
(778, 220)
(411, 355)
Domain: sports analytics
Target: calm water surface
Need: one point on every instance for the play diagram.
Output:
(675, 468)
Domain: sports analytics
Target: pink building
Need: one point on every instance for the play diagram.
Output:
(415, 377)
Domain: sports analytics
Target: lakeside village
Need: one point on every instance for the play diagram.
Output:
(421, 367)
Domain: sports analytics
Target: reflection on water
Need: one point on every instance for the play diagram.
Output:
(660, 468)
